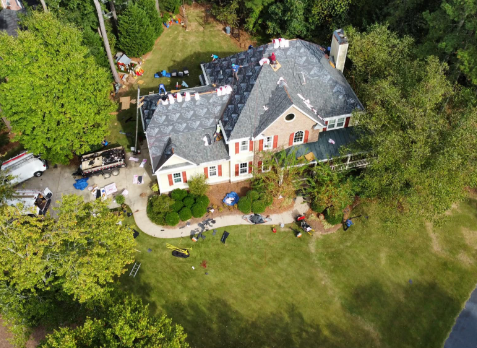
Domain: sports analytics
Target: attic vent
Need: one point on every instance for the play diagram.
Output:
(303, 81)
(207, 140)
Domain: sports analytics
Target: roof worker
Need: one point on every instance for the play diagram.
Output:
(235, 69)
(250, 47)
(273, 58)
(214, 57)
(104, 142)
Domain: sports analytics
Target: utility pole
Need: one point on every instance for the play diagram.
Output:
(106, 42)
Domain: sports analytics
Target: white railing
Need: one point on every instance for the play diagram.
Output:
(354, 164)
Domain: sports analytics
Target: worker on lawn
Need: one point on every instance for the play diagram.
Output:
(214, 57)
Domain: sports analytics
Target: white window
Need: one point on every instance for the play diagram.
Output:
(212, 171)
(177, 178)
(243, 146)
(243, 168)
(336, 123)
(298, 138)
(268, 143)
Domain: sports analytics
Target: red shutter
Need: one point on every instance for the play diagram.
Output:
(206, 172)
(326, 123)
(347, 121)
(170, 180)
(251, 145)
(260, 145)
(290, 142)
(275, 141)
(306, 136)
(220, 170)
(250, 167)
(236, 170)
(184, 177)
(259, 166)
(237, 148)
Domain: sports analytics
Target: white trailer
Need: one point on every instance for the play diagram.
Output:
(31, 202)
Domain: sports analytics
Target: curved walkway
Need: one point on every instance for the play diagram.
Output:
(148, 227)
(463, 334)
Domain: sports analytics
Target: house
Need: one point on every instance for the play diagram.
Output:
(300, 100)
(9, 10)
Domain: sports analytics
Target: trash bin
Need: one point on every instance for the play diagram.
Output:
(227, 30)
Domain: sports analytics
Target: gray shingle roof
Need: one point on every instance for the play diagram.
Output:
(323, 149)
(306, 72)
(9, 21)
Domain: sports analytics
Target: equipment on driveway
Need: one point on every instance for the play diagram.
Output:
(24, 166)
(34, 202)
(256, 219)
(105, 162)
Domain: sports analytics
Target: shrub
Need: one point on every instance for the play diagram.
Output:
(172, 219)
(155, 187)
(267, 199)
(136, 34)
(198, 185)
(203, 201)
(188, 201)
(178, 194)
(158, 207)
(198, 210)
(244, 205)
(120, 199)
(253, 195)
(317, 206)
(185, 214)
(258, 206)
(149, 7)
(166, 17)
(177, 206)
(332, 217)
(170, 5)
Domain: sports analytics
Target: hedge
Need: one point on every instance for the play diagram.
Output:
(177, 206)
(172, 219)
(188, 201)
(258, 207)
(244, 205)
(253, 195)
(203, 201)
(332, 218)
(198, 210)
(178, 194)
(185, 214)
(317, 206)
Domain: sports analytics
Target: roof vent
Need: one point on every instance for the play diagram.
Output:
(179, 98)
(196, 95)
(219, 91)
(207, 140)
(303, 81)
(171, 99)
(187, 96)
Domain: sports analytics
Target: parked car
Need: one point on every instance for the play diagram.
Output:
(33, 202)
(105, 162)
(24, 166)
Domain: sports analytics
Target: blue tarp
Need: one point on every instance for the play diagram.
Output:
(231, 198)
(81, 184)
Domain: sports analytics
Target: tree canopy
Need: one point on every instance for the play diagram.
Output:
(136, 34)
(56, 98)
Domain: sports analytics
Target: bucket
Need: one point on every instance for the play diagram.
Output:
(227, 30)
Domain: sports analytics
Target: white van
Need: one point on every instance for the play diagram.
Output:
(33, 202)
(24, 166)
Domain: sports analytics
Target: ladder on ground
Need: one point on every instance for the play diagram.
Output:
(134, 270)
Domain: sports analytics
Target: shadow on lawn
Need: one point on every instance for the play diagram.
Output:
(217, 324)
(413, 314)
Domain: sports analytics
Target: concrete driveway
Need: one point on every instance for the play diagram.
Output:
(464, 332)
(60, 181)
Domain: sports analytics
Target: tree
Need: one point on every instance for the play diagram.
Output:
(136, 35)
(49, 264)
(198, 185)
(329, 188)
(104, 34)
(56, 98)
(420, 128)
(287, 19)
(6, 189)
(281, 178)
(154, 17)
(126, 323)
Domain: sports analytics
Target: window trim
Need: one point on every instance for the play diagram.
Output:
(268, 145)
(240, 168)
(174, 178)
(216, 172)
(302, 137)
(335, 123)
(247, 144)
(293, 119)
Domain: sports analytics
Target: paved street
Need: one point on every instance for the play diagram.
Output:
(464, 332)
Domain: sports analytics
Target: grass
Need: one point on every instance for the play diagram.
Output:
(365, 287)
(175, 49)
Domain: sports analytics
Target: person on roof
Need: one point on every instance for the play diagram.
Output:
(214, 57)
(273, 58)
(235, 69)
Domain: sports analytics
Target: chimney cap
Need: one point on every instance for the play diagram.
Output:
(340, 36)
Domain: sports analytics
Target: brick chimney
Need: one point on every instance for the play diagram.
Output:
(339, 49)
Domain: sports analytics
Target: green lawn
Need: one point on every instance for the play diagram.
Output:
(175, 49)
(348, 289)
